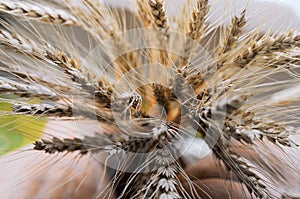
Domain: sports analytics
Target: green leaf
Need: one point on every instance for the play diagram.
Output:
(17, 131)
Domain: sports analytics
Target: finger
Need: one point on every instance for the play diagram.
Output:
(214, 188)
(208, 167)
(65, 178)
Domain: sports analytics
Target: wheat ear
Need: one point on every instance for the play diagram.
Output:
(196, 29)
(38, 11)
(233, 33)
(267, 46)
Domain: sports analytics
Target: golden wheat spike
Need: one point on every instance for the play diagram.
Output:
(38, 11)
(233, 33)
(196, 29)
(198, 19)
(268, 46)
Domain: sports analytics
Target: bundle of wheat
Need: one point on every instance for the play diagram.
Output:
(146, 90)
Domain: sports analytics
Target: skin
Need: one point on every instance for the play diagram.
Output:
(212, 180)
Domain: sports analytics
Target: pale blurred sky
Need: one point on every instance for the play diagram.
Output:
(293, 4)
(278, 13)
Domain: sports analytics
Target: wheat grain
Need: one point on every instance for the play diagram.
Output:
(37, 11)
(15, 41)
(252, 129)
(24, 89)
(265, 46)
(159, 14)
(197, 23)
(233, 33)
(32, 48)
(43, 109)
(69, 65)
(57, 145)
(160, 22)
(196, 27)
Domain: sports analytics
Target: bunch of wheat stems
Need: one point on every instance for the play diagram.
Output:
(148, 82)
